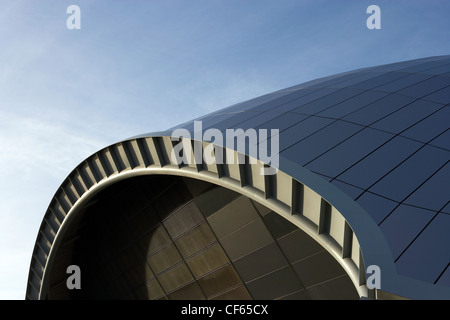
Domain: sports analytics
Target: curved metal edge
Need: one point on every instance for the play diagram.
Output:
(372, 243)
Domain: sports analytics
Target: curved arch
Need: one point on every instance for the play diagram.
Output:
(319, 209)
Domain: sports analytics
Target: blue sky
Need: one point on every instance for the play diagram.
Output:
(142, 66)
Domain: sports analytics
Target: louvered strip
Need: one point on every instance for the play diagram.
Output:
(86, 176)
(297, 197)
(53, 220)
(348, 241)
(107, 162)
(78, 183)
(57, 210)
(324, 217)
(96, 168)
(145, 152)
(161, 151)
(71, 191)
(133, 153)
(48, 232)
(40, 255)
(63, 202)
(117, 160)
(35, 282)
(120, 152)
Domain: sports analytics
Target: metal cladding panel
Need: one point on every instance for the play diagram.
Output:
(379, 134)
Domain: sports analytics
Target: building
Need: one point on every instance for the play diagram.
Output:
(358, 208)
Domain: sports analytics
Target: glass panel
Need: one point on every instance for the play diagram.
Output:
(246, 240)
(350, 151)
(350, 190)
(439, 70)
(175, 277)
(334, 79)
(327, 101)
(281, 122)
(301, 130)
(288, 97)
(409, 175)
(379, 80)
(239, 293)
(275, 285)
(191, 291)
(407, 116)
(215, 199)
(423, 67)
(428, 255)
(219, 281)
(195, 240)
(207, 260)
(443, 141)
(317, 268)
(379, 109)
(320, 142)
(230, 218)
(150, 290)
(404, 82)
(277, 225)
(430, 127)
(335, 289)
(154, 241)
(297, 252)
(441, 96)
(364, 76)
(256, 264)
(351, 105)
(402, 226)
(446, 209)
(434, 194)
(378, 207)
(183, 219)
(377, 164)
(426, 87)
(164, 259)
(230, 122)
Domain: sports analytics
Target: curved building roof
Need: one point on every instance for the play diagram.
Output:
(363, 170)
